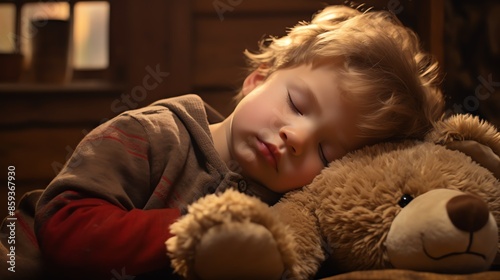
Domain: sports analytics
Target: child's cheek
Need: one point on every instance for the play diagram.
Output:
(245, 151)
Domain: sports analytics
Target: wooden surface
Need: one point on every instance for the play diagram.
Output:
(397, 274)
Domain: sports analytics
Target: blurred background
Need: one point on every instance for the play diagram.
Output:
(67, 66)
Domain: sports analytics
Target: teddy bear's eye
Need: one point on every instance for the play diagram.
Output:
(405, 200)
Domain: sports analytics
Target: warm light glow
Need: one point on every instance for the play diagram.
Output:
(7, 27)
(91, 33)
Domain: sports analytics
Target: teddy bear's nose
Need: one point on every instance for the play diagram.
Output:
(468, 213)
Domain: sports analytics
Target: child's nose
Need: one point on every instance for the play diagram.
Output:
(294, 139)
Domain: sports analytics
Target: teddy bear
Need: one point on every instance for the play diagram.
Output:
(422, 205)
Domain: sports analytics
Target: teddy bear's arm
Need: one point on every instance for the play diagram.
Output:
(296, 212)
(230, 236)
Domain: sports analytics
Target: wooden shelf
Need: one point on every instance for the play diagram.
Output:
(86, 87)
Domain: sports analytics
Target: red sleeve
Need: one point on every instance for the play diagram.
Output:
(94, 236)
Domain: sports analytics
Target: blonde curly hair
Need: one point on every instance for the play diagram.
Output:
(382, 68)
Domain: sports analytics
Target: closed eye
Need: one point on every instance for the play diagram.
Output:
(292, 104)
(322, 155)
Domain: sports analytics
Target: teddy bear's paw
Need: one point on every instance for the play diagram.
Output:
(238, 251)
(230, 233)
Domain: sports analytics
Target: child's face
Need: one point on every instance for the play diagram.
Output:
(290, 126)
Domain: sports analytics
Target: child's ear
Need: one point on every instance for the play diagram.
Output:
(252, 81)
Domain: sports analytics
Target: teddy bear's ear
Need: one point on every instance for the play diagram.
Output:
(480, 153)
(474, 137)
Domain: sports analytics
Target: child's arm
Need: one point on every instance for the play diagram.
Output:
(96, 237)
(89, 219)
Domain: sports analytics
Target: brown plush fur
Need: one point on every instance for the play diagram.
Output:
(465, 127)
(229, 207)
(360, 194)
(345, 214)
(354, 201)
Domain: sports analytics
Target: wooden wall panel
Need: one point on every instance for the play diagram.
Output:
(36, 151)
(149, 45)
(218, 55)
(37, 154)
(258, 7)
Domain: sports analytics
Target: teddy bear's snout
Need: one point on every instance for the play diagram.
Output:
(467, 212)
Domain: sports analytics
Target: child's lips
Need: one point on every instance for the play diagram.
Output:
(270, 153)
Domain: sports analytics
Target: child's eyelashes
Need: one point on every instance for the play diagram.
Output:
(322, 155)
(292, 104)
(294, 107)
